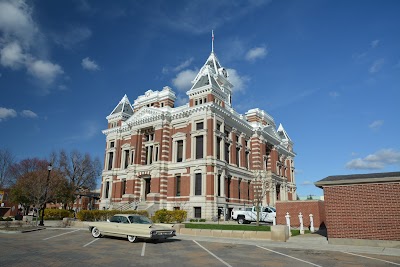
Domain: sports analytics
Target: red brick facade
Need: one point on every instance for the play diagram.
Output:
(362, 206)
(215, 152)
(306, 207)
(363, 211)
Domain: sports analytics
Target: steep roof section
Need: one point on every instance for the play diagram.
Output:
(212, 76)
(124, 109)
(286, 141)
(282, 133)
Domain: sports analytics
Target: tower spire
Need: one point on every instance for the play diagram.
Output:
(212, 41)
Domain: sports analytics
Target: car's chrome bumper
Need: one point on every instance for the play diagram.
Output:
(162, 234)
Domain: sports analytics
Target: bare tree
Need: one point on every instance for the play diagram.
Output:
(80, 171)
(6, 161)
(33, 184)
(261, 187)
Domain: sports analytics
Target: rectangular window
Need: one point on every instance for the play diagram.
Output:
(237, 156)
(240, 181)
(126, 158)
(199, 126)
(228, 195)
(123, 187)
(149, 155)
(110, 160)
(179, 151)
(219, 185)
(199, 147)
(219, 147)
(248, 190)
(218, 126)
(149, 137)
(107, 189)
(247, 159)
(227, 152)
(198, 184)
(197, 212)
(112, 144)
(178, 185)
(132, 156)
(156, 154)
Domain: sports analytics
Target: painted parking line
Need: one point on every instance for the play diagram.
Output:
(61, 234)
(289, 256)
(143, 249)
(371, 258)
(215, 256)
(91, 242)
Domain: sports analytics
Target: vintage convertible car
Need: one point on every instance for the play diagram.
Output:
(132, 226)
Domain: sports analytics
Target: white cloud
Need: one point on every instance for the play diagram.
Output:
(180, 67)
(195, 18)
(239, 82)
(376, 65)
(88, 64)
(11, 56)
(376, 124)
(307, 183)
(7, 113)
(183, 65)
(16, 22)
(256, 53)
(20, 37)
(181, 100)
(28, 114)
(375, 43)
(72, 37)
(378, 160)
(45, 71)
(334, 94)
(183, 80)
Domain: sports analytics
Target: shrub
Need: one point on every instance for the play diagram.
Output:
(8, 219)
(202, 220)
(164, 216)
(169, 216)
(180, 215)
(57, 214)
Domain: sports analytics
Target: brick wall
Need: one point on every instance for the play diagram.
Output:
(306, 207)
(363, 211)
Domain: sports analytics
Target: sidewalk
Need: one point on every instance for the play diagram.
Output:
(308, 241)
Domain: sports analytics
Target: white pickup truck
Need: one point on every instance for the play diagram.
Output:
(248, 215)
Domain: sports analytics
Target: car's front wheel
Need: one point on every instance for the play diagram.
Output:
(241, 220)
(132, 238)
(96, 232)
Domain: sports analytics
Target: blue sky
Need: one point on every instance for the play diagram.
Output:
(329, 71)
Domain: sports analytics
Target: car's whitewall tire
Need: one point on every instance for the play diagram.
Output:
(132, 238)
(96, 232)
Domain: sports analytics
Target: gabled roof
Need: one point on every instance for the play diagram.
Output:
(145, 114)
(124, 106)
(282, 133)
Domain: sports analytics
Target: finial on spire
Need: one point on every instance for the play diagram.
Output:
(212, 41)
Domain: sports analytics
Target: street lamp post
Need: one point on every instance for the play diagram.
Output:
(45, 193)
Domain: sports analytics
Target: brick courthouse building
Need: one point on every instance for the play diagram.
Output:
(202, 157)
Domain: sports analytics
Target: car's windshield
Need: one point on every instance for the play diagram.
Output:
(139, 219)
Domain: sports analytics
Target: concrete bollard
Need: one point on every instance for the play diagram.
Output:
(301, 223)
(274, 221)
(287, 216)
(312, 230)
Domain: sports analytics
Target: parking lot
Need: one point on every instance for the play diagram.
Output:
(77, 247)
